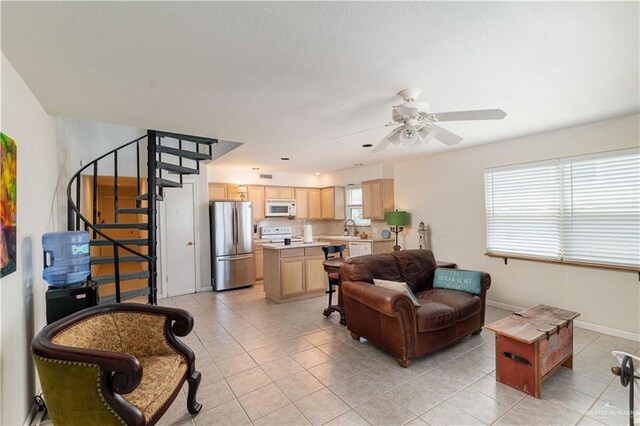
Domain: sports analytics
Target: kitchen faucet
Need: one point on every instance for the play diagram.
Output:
(355, 230)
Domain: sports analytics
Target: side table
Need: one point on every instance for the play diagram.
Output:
(531, 345)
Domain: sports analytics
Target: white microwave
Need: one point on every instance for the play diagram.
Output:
(280, 208)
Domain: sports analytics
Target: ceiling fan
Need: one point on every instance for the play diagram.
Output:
(416, 125)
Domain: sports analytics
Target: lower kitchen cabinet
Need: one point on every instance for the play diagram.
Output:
(294, 272)
(259, 256)
(292, 275)
(316, 276)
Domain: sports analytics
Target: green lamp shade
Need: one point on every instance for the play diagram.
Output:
(397, 218)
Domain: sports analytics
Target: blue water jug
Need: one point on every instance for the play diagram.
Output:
(66, 257)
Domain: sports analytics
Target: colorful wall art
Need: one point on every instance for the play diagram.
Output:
(8, 201)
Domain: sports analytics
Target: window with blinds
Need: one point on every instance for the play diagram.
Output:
(577, 209)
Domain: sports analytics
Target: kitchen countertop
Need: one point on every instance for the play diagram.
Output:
(281, 246)
(371, 239)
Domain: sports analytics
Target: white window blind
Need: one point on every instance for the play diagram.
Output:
(601, 206)
(524, 210)
(582, 209)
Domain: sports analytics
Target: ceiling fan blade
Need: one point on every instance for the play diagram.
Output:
(365, 130)
(387, 140)
(381, 146)
(445, 136)
(479, 114)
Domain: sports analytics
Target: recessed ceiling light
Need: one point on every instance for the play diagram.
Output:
(367, 145)
(317, 173)
(285, 158)
(255, 168)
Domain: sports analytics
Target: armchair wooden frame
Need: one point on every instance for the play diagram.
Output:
(121, 373)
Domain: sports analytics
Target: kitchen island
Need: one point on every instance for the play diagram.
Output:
(294, 272)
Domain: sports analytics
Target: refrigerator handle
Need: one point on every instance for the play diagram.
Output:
(235, 227)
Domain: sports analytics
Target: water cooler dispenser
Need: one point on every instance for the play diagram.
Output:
(66, 268)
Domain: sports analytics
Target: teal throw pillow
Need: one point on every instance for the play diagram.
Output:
(453, 279)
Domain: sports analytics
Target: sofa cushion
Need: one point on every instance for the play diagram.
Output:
(454, 279)
(365, 268)
(398, 287)
(464, 304)
(416, 268)
(434, 316)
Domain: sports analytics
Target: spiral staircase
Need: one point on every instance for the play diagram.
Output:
(130, 258)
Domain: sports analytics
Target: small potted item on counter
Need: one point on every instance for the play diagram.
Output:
(364, 235)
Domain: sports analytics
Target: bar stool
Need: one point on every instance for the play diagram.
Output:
(333, 259)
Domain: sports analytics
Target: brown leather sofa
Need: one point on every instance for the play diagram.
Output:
(390, 320)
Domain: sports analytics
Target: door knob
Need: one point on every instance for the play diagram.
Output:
(190, 243)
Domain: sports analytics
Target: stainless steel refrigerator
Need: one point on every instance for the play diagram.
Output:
(232, 257)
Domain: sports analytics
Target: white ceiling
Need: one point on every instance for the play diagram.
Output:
(285, 78)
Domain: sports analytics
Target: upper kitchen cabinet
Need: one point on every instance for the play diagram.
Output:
(255, 194)
(279, 193)
(218, 191)
(377, 198)
(315, 204)
(302, 203)
(333, 206)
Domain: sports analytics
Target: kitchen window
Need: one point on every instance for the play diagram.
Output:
(578, 210)
(354, 206)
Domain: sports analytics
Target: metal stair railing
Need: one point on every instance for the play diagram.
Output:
(155, 183)
(75, 216)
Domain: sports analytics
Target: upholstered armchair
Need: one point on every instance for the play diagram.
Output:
(390, 319)
(116, 364)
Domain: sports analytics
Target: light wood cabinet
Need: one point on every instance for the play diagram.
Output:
(218, 191)
(255, 194)
(315, 204)
(279, 193)
(294, 273)
(377, 198)
(302, 203)
(259, 256)
(316, 276)
(333, 203)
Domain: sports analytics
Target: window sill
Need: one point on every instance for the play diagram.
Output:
(506, 256)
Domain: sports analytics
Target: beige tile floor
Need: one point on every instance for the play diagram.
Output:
(269, 364)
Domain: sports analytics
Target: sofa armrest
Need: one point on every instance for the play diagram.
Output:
(381, 299)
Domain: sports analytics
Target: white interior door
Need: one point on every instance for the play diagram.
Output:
(180, 242)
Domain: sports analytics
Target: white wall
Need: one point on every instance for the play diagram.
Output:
(356, 175)
(23, 302)
(353, 176)
(446, 191)
(252, 177)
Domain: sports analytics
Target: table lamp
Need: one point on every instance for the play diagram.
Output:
(397, 220)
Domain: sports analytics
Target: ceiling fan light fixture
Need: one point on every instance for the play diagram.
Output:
(428, 133)
(409, 135)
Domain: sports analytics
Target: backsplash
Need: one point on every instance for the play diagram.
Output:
(322, 227)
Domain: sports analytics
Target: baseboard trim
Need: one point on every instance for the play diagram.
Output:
(582, 324)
